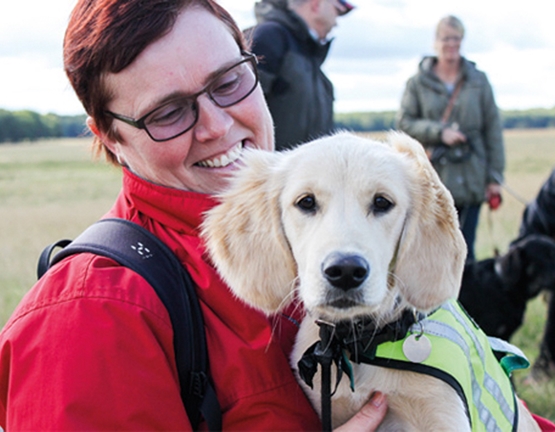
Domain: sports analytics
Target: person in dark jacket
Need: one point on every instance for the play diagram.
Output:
(467, 131)
(292, 43)
(539, 218)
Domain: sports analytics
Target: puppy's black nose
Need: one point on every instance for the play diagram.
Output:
(345, 271)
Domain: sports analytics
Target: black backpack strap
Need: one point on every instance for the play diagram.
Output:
(45, 256)
(134, 247)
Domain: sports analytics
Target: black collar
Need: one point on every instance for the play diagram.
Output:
(352, 340)
(362, 337)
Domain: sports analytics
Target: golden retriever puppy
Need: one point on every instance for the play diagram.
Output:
(364, 235)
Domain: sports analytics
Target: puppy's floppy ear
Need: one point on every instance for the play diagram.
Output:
(432, 250)
(244, 236)
(510, 264)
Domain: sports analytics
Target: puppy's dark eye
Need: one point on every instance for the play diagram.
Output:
(307, 203)
(381, 204)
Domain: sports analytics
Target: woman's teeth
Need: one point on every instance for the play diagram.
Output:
(223, 160)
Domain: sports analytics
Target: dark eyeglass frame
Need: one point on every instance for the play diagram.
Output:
(140, 123)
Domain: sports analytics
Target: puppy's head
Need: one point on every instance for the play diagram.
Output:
(349, 223)
(527, 267)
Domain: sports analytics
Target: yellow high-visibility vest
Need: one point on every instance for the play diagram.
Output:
(463, 356)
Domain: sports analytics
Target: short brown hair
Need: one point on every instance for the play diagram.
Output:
(106, 36)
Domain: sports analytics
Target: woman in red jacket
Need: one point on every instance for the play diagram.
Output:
(173, 98)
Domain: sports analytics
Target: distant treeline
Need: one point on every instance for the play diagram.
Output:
(27, 125)
(16, 126)
(385, 120)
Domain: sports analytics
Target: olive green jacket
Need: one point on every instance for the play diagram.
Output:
(422, 107)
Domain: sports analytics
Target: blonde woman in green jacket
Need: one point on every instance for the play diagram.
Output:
(449, 107)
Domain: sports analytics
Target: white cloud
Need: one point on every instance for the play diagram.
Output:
(513, 42)
(33, 82)
(31, 73)
(377, 48)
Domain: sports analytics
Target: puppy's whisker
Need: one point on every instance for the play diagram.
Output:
(289, 297)
(276, 321)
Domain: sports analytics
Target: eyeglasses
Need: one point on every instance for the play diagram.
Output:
(455, 39)
(176, 117)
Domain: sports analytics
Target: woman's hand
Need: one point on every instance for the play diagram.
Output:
(493, 195)
(369, 417)
(493, 189)
(452, 136)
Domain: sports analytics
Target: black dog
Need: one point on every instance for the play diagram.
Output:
(495, 291)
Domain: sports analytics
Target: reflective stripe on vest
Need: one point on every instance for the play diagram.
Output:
(461, 352)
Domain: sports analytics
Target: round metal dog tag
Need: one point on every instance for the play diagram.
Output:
(417, 348)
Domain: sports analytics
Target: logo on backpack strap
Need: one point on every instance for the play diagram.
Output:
(142, 250)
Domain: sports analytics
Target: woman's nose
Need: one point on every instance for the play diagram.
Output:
(213, 121)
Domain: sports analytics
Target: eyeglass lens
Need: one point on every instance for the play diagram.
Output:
(178, 116)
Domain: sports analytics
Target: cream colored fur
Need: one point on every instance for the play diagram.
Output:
(270, 245)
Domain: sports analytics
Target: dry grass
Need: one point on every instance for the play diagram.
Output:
(48, 190)
(52, 189)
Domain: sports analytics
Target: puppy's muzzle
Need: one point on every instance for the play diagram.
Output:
(345, 271)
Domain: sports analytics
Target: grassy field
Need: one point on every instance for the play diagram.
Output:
(52, 189)
(48, 190)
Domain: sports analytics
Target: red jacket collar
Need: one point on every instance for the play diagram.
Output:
(178, 209)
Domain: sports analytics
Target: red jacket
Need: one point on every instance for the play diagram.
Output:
(90, 346)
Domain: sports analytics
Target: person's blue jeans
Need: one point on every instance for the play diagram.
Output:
(468, 220)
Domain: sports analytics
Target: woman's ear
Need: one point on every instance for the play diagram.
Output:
(245, 239)
(91, 124)
(111, 144)
(432, 252)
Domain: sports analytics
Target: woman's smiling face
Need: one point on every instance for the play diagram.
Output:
(182, 63)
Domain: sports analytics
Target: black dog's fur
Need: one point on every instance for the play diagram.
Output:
(495, 291)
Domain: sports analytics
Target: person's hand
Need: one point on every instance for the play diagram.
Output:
(493, 189)
(452, 136)
(369, 417)
(493, 195)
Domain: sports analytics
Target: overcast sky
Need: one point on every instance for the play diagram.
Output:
(377, 47)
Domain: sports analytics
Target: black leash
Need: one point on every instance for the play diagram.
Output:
(324, 355)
